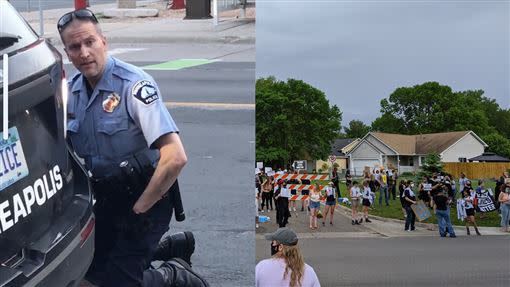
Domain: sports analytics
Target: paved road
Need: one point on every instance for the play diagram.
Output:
(216, 184)
(381, 254)
(416, 261)
(33, 5)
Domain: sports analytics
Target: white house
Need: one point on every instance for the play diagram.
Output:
(407, 152)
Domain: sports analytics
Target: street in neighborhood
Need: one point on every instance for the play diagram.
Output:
(381, 253)
(207, 79)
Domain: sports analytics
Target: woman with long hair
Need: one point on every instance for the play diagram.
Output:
(330, 204)
(267, 187)
(315, 204)
(469, 198)
(504, 206)
(286, 267)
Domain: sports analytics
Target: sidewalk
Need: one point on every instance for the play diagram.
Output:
(379, 227)
(168, 27)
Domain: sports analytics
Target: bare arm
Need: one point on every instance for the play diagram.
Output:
(172, 160)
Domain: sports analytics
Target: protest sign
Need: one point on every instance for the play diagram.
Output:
(421, 210)
(485, 202)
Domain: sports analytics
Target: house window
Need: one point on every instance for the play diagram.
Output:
(411, 161)
(462, 159)
(422, 160)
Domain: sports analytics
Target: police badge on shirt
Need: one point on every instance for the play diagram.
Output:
(145, 92)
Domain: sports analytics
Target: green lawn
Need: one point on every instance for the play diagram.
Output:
(394, 210)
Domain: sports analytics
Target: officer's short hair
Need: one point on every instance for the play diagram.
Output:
(96, 25)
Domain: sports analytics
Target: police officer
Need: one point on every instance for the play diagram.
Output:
(119, 125)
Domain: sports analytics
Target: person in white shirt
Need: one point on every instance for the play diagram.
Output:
(355, 203)
(286, 267)
(469, 198)
(330, 204)
(315, 204)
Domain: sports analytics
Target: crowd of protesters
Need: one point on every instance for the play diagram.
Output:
(438, 192)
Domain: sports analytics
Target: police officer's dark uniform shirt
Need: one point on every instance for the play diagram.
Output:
(124, 115)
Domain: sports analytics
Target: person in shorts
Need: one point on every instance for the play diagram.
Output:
(315, 204)
(355, 193)
(366, 196)
(330, 204)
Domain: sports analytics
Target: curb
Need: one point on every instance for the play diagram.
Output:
(428, 226)
(54, 40)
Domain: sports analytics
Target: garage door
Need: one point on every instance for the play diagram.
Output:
(358, 165)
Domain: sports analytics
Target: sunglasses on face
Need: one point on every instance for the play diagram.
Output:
(79, 14)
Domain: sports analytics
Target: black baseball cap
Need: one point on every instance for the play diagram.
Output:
(284, 235)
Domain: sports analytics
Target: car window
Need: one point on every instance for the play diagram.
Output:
(14, 31)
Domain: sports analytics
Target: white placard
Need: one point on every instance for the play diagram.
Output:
(260, 164)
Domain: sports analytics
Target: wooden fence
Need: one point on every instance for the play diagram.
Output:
(477, 169)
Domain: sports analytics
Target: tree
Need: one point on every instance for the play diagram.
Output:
(293, 121)
(431, 108)
(431, 165)
(498, 144)
(356, 129)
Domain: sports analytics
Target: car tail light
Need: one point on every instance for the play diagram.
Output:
(85, 233)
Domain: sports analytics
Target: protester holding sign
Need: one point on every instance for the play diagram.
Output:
(409, 199)
(485, 202)
(470, 210)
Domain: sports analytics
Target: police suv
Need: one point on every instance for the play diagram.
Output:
(46, 219)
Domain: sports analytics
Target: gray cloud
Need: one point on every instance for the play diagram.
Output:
(360, 52)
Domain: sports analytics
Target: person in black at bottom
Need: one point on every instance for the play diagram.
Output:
(409, 199)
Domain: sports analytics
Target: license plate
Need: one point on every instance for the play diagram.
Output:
(13, 165)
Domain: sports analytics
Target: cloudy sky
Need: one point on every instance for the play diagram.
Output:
(359, 52)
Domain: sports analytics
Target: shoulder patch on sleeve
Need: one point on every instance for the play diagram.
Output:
(145, 92)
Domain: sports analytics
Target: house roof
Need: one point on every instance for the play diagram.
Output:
(423, 143)
(339, 144)
(489, 157)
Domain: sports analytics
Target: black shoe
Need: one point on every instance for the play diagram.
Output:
(360, 221)
(176, 272)
(368, 220)
(357, 222)
(302, 208)
(352, 222)
(178, 245)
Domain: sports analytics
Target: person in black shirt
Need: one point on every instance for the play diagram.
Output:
(409, 199)
(441, 202)
(401, 188)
